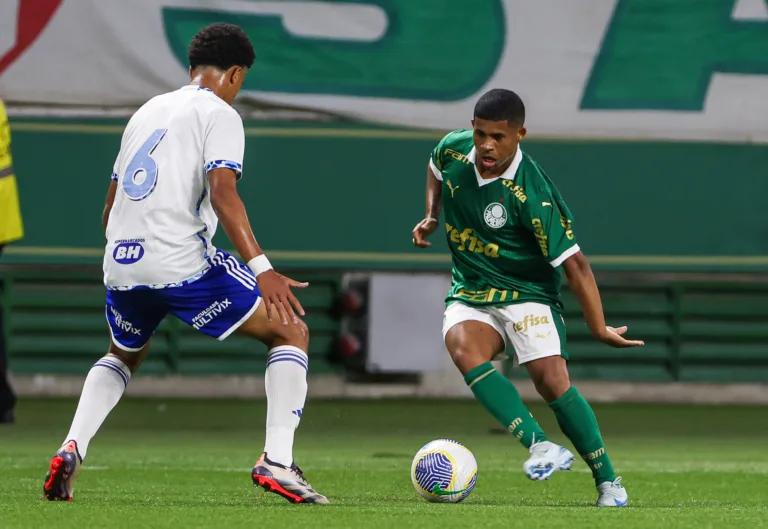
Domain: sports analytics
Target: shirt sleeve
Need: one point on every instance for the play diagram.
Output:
(224, 141)
(550, 221)
(436, 159)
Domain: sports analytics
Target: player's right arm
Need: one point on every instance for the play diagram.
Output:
(111, 192)
(434, 200)
(223, 157)
(428, 225)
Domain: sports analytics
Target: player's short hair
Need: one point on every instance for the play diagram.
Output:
(222, 46)
(501, 105)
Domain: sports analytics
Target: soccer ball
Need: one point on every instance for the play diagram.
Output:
(444, 471)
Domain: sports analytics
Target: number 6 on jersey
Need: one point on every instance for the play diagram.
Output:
(141, 175)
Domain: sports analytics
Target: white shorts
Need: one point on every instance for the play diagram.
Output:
(534, 330)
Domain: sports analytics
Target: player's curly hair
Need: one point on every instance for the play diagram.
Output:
(501, 105)
(222, 46)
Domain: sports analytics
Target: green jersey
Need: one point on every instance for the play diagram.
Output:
(507, 235)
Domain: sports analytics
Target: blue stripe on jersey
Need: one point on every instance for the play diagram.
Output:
(157, 286)
(114, 177)
(200, 201)
(205, 244)
(225, 164)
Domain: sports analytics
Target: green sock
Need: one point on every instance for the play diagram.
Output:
(579, 424)
(497, 394)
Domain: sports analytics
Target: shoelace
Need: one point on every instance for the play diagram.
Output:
(298, 471)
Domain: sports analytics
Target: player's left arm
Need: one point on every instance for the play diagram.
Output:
(584, 287)
(551, 222)
(224, 146)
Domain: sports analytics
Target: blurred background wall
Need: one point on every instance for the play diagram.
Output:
(650, 115)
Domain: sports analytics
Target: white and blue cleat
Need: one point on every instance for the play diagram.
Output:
(546, 459)
(612, 494)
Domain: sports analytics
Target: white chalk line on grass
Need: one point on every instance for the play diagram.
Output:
(654, 467)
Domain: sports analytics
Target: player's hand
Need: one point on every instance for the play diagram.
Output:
(276, 291)
(424, 229)
(613, 337)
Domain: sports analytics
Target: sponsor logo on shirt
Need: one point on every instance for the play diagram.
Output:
(128, 251)
(456, 155)
(516, 190)
(467, 241)
(491, 295)
(538, 231)
(566, 223)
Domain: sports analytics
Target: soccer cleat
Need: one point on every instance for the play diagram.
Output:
(546, 459)
(60, 481)
(286, 482)
(612, 494)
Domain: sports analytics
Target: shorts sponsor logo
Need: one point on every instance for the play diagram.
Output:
(208, 315)
(128, 251)
(124, 324)
(530, 321)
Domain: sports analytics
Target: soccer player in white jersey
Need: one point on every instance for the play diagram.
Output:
(173, 181)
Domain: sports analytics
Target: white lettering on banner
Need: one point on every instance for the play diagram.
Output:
(750, 10)
(551, 49)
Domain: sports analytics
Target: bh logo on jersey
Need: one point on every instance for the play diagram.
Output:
(128, 252)
(495, 215)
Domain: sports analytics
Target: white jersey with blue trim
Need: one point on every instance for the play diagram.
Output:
(162, 222)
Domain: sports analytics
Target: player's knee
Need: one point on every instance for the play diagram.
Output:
(552, 384)
(467, 358)
(296, 334)
(129, 360)
(132, 360)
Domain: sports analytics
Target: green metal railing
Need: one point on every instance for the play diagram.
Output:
(55, 323)
(694, 331)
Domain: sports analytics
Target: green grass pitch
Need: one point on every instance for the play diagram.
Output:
(181, 463)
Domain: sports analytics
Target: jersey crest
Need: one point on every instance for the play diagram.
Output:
(495, 215)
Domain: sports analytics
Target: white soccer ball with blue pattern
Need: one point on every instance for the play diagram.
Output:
(444, 471)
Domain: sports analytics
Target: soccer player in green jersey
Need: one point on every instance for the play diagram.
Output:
(510, 232)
